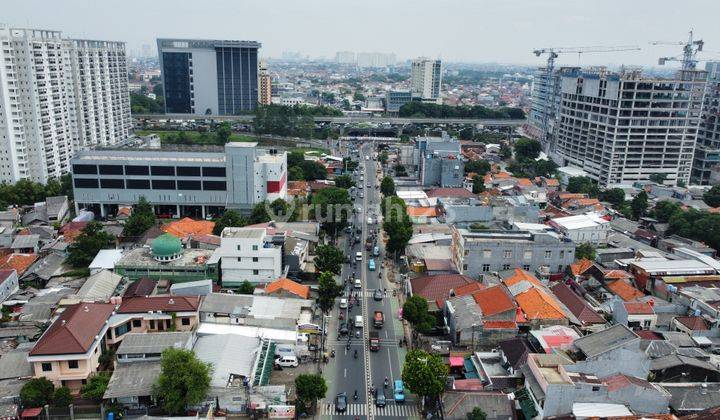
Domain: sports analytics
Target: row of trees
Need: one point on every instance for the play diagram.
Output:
(290, 120)
(26, 192)
(429, 110)
(264, 212)
(633, 209)
(219, 136)
(526, 163)
(396, 224)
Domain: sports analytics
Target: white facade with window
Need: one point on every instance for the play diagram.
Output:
(583, 228)
(247, 254)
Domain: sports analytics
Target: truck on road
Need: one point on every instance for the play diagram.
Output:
(378, 319)
(374, 341)
(368, 244)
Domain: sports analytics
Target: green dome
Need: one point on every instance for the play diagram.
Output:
(166, 245)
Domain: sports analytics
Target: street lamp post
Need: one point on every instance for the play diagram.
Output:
(473, 336)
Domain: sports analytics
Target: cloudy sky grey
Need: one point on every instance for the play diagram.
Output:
(504, 31)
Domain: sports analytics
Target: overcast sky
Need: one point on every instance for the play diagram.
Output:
(503, 31)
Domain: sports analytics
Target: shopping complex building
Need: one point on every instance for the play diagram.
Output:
(197, 182)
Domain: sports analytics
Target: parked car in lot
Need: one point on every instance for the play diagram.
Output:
(287, 361)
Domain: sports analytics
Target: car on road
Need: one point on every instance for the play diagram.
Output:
(358, 285)
(358, 256)
(378, 295)
(341, 402)
(379, 395)
(399, 391)
(343, 303)
(343, 330)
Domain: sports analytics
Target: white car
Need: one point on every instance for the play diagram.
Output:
(358, 256)
(287, 361)
(358, 285)
(343, 303)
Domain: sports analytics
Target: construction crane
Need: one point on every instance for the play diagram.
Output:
(690, 49)
(553, 53)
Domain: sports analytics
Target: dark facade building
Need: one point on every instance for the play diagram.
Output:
(209, 77)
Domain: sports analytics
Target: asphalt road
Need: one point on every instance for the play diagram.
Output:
(345, 373)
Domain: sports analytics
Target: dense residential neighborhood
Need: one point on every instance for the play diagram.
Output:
(213, 228)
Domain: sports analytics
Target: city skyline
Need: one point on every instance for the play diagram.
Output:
(511, 29)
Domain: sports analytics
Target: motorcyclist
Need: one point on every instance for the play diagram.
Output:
(355, 396)
(387, 381)
(355, 355)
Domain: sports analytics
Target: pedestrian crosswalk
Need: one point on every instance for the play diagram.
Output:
(368, 293)
(390, 410)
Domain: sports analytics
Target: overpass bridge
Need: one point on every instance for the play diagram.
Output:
(491, 122)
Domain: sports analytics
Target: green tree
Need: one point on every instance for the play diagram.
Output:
(478, 184)
(331, 206)
(329, 258)
(91, 240)
(246, 288)
(614, 196)
(37, 392)
(328, 290)
(349, 164)
(66, 184)
(480, 167)
(358, 96)
(505, 151)
(62, 397)
(184, 380)
(53, 188)
(344, 181)
(309, 388)
(400, 170)
(665, 209)
(387, 186)
(527, 149)
(396, 224)
(658, 178)
(639, 205)
(231, 218)
(295, 173)
(477, 414)
(585, 250)
(415, 311)
(383, 157)
(582, 185)
(425, 375)
(158, 89)
(259, 214)
(223, 132)
(141, 219)
(711, 197)
(96, 386)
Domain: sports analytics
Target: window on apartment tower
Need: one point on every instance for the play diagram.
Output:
(256, 272)
(507, 253)
(72, 364)
(255, 248)
(486, 268)
(548, 255)
(506, 266)
(256, 259)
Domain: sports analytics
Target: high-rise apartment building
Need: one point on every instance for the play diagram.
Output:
(375, 60)
(56, 96)
(100, 84)
(205, 77)
(264, 85)
(622, 127)
(706, 166)
(426, 79)
(345, 57)
(545, 103)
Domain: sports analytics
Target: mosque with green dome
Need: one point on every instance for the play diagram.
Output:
(168, 259)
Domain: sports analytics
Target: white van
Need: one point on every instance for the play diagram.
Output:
(358, 256)
(343, 303)
(359, 323)
(287, 361)
(358, 285)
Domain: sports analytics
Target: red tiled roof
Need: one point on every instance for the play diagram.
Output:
(140, 304)
(499, 325)
(537, 304)
(621, 381)
(75, 330)
(142, 287)
(648, 335)
(623, 289)
(576, 304)
(472, 384)
(521, 275)
(438, 265)
(579, 267)
(17, 262)
(422, 211)
(186, 226)
(207, 239)
(616, 274)
(437, 288)
(5, 274)
(638, 308)
(449, 192)
(468, 289)
(694, 323)
(290, 286)
(494, 300)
